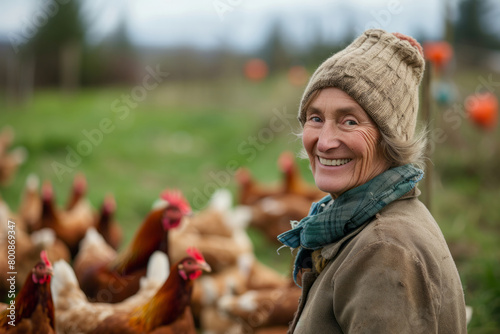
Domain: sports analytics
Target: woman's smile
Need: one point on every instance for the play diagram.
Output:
(333, 162)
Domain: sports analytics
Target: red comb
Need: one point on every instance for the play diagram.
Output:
(196, 254)
(45, 259)
(109, 203)
(80, 183)
(286, 161)
(243, 176)
(47, 191)
(175, 198)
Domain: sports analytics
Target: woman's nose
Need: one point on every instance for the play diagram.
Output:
(329, 138)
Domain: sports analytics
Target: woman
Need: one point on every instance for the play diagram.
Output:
(371, 258)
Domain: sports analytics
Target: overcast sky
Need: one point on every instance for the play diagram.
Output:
(238, 23)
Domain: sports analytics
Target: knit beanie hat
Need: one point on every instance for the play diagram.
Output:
(382, 72)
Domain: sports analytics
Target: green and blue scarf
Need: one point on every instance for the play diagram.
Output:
(327, 224)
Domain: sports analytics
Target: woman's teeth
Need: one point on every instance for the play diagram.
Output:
(334, 162)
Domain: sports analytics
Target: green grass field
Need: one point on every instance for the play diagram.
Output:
(192, 136)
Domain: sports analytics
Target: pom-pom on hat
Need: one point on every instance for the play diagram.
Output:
(382, 72)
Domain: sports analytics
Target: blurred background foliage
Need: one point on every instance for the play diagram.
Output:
(212, 110)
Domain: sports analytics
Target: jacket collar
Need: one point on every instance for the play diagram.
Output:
(330, 251)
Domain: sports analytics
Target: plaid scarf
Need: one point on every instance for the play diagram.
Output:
(327, 224)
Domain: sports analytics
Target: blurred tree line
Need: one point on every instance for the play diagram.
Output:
(471, 33)
(58, 55)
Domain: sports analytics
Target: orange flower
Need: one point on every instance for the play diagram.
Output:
(438, 53)
(483, 109)
(256, 69)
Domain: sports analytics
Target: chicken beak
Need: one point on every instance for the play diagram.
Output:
(205, 266)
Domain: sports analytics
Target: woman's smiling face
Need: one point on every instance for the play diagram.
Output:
(341, 141)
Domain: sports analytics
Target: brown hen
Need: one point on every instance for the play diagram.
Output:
(34, 309)
(106, 280)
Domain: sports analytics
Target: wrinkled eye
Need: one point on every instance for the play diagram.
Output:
(315, 119)
(351, 122)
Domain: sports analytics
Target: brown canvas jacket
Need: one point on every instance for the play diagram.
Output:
(394, 274)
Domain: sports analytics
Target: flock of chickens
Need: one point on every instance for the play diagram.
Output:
(73, 276)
